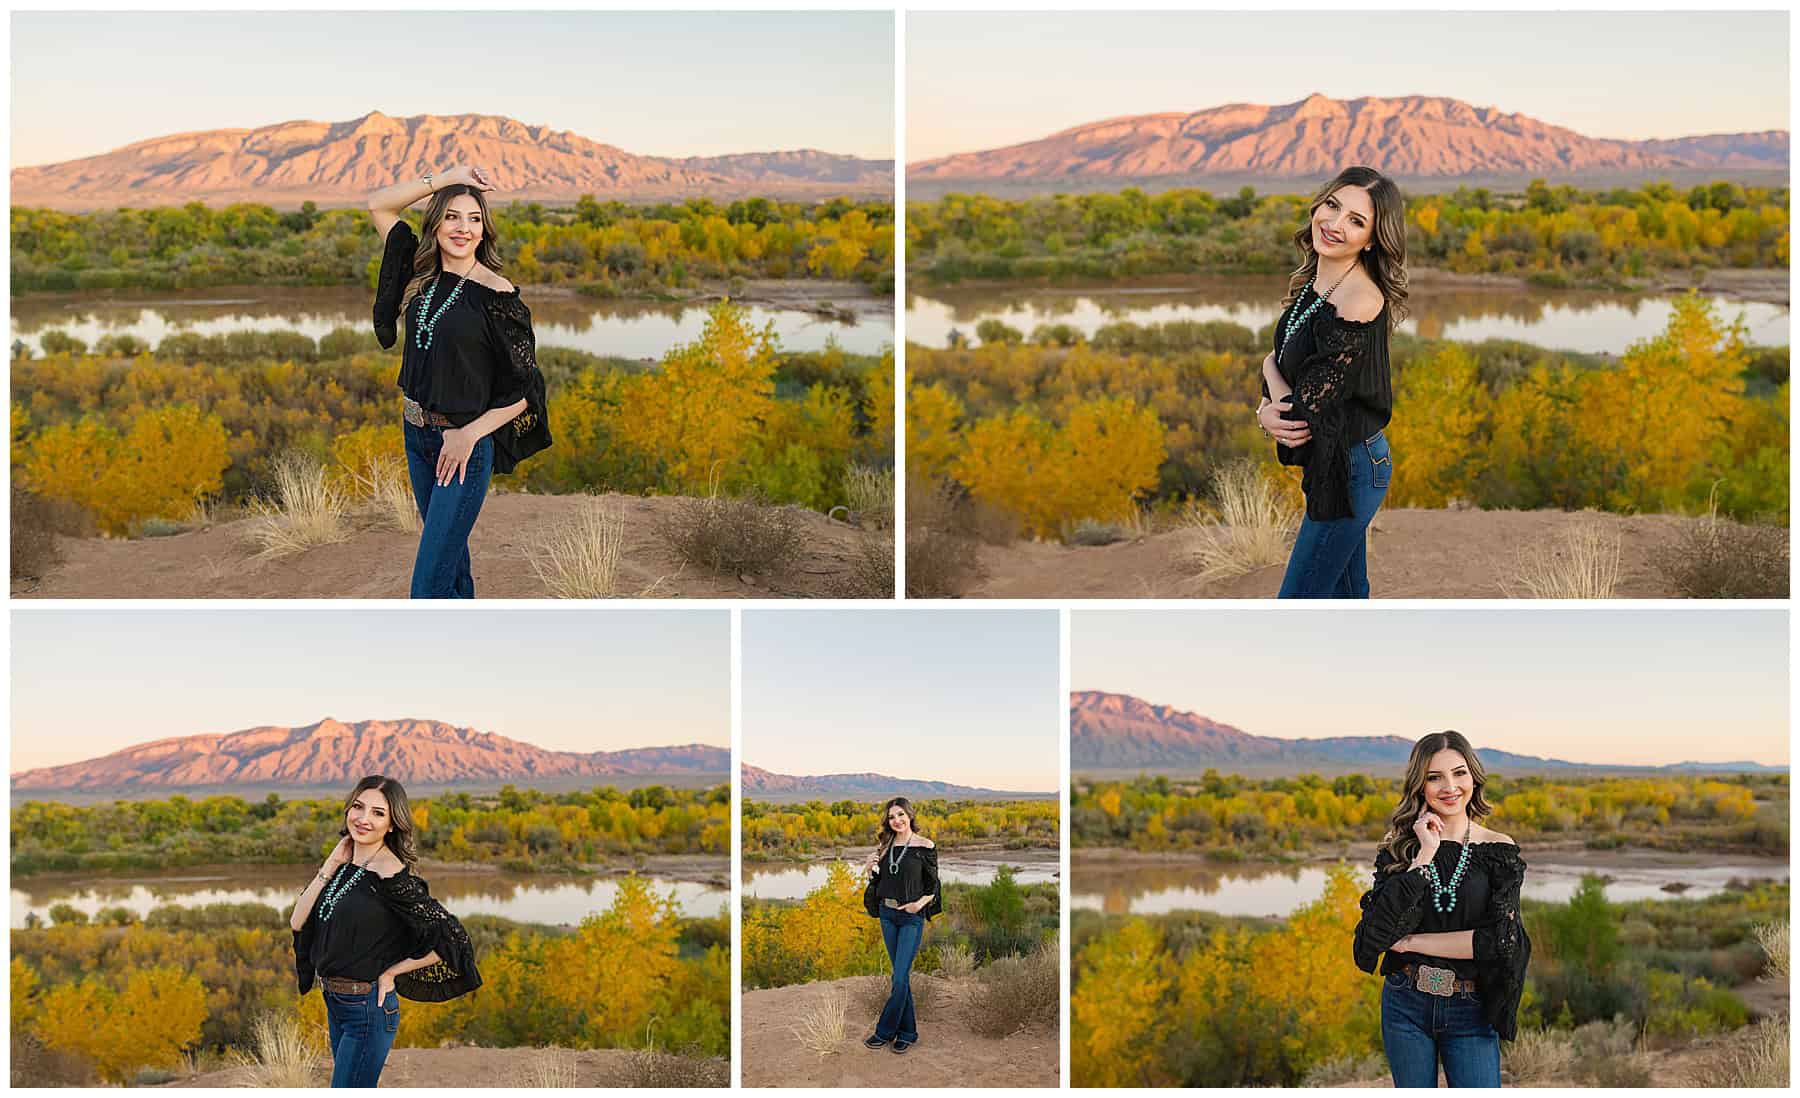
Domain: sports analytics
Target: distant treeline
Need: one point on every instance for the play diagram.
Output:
(130, 434)
(107, 999)
(518, 829)
(1234, 817)
(1065, 428)
(1556, 235)
(608, 249)
(817, 827)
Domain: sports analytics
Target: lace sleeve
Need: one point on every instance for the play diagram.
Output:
(432, 929)
(928, 875)
(1329, 374)
(1391, 909)
(390, 285)
(511, 322)
(1502, 948)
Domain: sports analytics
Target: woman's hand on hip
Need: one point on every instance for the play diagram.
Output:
(383, 986)
(1288, 432)
(453, 457)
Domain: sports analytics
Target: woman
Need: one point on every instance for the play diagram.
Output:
(368, 928)
(1445, 911)
(472, 395)
(903, 894)
(1326, 391)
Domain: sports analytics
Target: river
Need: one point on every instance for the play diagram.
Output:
(624, 329)
(530, 898)
(1573, 320)
(791, 881)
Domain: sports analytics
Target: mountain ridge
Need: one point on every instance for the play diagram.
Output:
(1411, 136)
(1121, 732)
(335, 163)
(773, 785)
(330, 751)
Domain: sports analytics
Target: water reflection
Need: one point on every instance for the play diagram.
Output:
(1590, 321)
(627, 329)
(1276, 890)
(785, 881)
(535, 898)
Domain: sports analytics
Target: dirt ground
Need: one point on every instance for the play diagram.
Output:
(1690, 1066)
(1413, 554)
(218, 562)
(463, 1067)
(948, 1054)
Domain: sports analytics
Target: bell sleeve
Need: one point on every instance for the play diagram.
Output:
(928, 875)
(1322, 391)
(517, 378)
(304, 971)
(1502, 948)
(390, 285)
(1391, 910)
(432, 929)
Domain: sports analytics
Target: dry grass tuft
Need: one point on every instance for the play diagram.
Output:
(1755, 1056)
(733, 535)
(651, 1068)
(550, 1068)
(1346, 1069)
(304, 512)
(821, 1029)
(871, 572)
(36, 523)
(1582, 562)
(283, 1053)
(1538, 1055)
(941, 540)
(955, 962)
(1717, 558)
(870, 494)
(1014, 993)
(1773, 937)
(1250, 526)
(387, 494)
(578, 556)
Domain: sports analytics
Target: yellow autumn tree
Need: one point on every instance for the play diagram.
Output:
(698, 412)
(878, 409)
(618, 967)
(157, 1015)
(167, 460)
(1437, 443)
(1117, 1008)
(826, 936)
(932, 434)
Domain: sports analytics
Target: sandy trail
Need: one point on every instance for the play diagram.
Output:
(1413, 554)
(464, 1067)
(217, 562)
(948, 1054)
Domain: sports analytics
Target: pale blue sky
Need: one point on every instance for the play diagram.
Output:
(89, 682)
(982, 80)
(656, 84)
(1590, 685)
(939, 695)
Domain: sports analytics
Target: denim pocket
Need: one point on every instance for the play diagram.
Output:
(391, 1014)
(1396, 980)
(1381, 463)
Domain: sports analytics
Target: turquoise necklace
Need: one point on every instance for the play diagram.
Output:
(1299, 316)
(894, 862)
(426, 327)
(328, 902)
(1443, 896)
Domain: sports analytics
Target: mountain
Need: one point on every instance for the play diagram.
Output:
(333, 752)
(1408, 137)
(767, 785)
(339, 163)
(1117, 732)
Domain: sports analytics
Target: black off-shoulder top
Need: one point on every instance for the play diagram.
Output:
(1338, 370)
(1487, 902)
(916, 875)
(380, 921)
(483, 352)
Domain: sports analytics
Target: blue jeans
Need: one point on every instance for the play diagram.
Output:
(1331, 559)
(1418, 1030)
(901, 932)
(361, 1031)
(447, 514)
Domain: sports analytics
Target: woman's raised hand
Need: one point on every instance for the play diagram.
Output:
(869, 863)
(469, 176)
(340, 853)
(1430, 831)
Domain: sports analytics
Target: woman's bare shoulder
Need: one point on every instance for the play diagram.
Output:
(929, 845)
(1489, 835)
(493, 281)
(387, 864)
(1358, 301)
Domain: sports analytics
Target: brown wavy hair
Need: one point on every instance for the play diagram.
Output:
(1400, 842)
(400, 834)
(426, 264)
(887, 831)
(1386, 258)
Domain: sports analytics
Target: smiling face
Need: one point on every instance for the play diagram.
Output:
(1344, 223)
(1449, 784)
(460, 231)
(368, 819)
(899, 822)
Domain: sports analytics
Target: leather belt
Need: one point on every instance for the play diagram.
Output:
(340, 986)
(417, 414)
(1442, 982)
